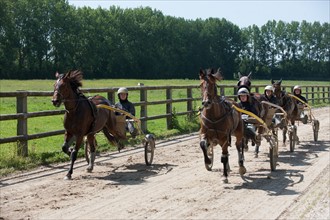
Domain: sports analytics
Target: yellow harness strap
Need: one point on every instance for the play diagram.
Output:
(118, 110)
(252, 115)
(309, 108)
(299, 100)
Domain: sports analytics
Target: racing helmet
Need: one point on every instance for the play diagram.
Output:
(296, 87)
(122, 90)
(269, 87)
(243, 91)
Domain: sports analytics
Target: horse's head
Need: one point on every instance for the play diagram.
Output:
(208, 85)
(244, 81)
(65, 84)
(278, 90)
(277, 86)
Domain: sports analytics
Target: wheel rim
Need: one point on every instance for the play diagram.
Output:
(273, 153)
(315, 129)
(149, 149)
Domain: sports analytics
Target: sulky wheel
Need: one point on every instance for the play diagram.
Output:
(149, 149)
(316, 127)
(210, 155)
(273, 152)
(292, 137)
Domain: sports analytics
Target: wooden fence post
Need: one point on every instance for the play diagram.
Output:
(313, 96)
(143, 112)
(235, 94)
(257, 89)
(112, 97)
(21, 107)
(222, 91)
(189, 103)
(169, 108)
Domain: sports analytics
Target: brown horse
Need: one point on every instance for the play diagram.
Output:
(82, 117)
(219, 121)
(288, 104)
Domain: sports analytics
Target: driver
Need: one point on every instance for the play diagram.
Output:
(297, 93)
(269, 95)
(127, 106)
(249, 129)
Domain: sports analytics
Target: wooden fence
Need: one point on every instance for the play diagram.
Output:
(314, 94)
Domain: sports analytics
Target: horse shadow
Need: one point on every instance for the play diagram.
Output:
(280, 182)
(304, 152)
(275, 183)
(314, 146)
(134, 174)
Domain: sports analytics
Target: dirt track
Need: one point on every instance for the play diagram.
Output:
(177, 185)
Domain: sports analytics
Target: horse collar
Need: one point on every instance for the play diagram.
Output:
(214, 122)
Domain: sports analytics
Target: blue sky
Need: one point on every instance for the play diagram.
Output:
(240, 12)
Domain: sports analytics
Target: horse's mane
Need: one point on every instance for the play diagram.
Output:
(75, 77)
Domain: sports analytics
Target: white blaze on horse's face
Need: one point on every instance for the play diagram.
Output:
(207, 92)
(57, 100)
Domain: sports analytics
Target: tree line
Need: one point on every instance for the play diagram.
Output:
(40, 37)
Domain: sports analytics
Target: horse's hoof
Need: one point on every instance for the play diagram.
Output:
(225, 180)
(242, 170)
(255, 155)
(89, 169)
(67, 178)
(207, 161)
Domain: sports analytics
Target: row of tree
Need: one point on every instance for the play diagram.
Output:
(39, 37)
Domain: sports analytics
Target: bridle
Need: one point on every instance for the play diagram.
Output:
(208, 94)
(61, 98)
(214, 100)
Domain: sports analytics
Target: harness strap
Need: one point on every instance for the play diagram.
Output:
(214, 122)
(93, 108)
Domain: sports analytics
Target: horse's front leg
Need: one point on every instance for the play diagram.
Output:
(285, 130)
(204, 145)
(225, 161)
(73, 157)
(68, 140)
(92, 144)
(240, 151)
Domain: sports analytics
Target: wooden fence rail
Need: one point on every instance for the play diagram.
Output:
(314, 94)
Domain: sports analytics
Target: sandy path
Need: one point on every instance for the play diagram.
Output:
(177, 185)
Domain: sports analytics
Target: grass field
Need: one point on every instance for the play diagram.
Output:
(48, 150)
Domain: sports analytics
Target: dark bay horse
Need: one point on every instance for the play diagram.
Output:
(287, 103)
(219, 121)
(82, 117)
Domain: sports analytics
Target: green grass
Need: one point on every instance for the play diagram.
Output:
(48, 150)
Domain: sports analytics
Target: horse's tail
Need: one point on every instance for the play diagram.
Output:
(109, 136)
